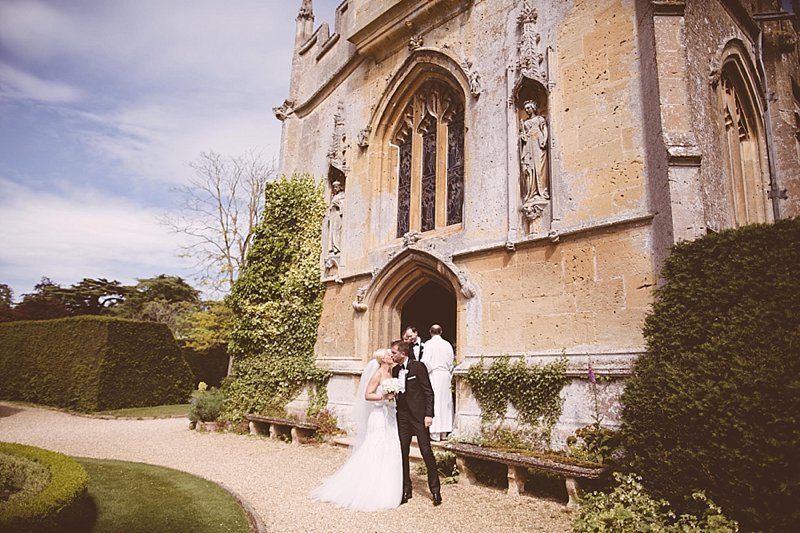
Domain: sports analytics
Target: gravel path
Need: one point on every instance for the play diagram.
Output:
(275, 478)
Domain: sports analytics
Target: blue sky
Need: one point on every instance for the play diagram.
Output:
(103, 103)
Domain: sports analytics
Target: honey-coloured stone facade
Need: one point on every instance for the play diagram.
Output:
(662, 120)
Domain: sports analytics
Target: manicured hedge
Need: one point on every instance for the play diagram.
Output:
(209, 366)
(91, 363)
(715, 402)
(58, 505)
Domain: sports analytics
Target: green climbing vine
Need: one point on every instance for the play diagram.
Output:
(277, 303)
(534, 391)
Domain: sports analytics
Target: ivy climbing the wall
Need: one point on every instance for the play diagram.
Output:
(534, 391)
(277, 303)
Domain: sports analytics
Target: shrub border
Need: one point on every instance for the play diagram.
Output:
(67, 488)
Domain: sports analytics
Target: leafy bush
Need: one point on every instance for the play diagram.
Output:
(714, 404)
(445, 466)
(534, 391)
(54, 508)
(20, 478)
(629, 508)
(277, 304)
(92, 363)
(207, 404)
(593, 443)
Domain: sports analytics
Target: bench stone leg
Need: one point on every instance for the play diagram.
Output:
(273, 431)
(295, 436)
(572, 492)
(516, 480)
(466, 476)
(253, 429)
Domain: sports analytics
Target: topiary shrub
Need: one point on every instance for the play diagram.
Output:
(277, 304)
(57, 505)
(714, 404)
(91, 363)
(20, 478)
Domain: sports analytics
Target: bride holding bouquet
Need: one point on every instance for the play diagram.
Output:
(372, 478)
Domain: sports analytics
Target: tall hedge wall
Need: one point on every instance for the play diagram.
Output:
(714, 404)
(91, 363)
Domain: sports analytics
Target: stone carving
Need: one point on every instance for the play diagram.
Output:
(467, 289)
(363, 137)
(410, 238)
(473, 77)
(284, 110)
(358, 303)
(533, 135)
(414, 42)
(531, 55)
(306, 10)
(331, 262)
(335, 219)
(337, 152)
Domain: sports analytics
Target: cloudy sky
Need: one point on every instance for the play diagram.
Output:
(103, 103)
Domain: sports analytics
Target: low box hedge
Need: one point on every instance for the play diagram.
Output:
(91, 363)
(57, 505)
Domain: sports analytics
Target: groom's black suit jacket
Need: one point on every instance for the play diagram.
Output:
(417, 401)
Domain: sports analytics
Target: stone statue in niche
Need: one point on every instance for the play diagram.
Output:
(335, 218)
(535, 176)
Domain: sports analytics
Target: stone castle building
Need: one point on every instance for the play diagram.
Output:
(517, 170)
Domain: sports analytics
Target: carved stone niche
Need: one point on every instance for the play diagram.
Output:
(532, 110)
(334, 218)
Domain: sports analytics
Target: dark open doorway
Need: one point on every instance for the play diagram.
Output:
(431, 304)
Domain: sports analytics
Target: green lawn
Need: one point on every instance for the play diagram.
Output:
(136, 497)
(158, 411)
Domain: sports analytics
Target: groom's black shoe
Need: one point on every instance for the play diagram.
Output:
(437, 499)
(406, 497)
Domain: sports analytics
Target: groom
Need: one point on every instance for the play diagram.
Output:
(414, 416)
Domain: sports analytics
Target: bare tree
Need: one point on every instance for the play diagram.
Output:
(219, 211)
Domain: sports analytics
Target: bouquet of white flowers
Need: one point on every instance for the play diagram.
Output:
(390, 386)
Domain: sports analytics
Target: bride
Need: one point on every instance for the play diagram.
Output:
(375, 451)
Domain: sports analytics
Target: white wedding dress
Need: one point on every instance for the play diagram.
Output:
(372, 478)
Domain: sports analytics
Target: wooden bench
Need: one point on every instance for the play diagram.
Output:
(275, 427)
(518, 463)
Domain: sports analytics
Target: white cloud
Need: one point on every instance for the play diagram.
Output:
(16, 84)
(68, 235)
(133, 91)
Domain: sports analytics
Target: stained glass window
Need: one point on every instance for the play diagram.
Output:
(430, 175)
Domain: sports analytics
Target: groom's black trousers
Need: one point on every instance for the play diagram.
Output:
(407, 428)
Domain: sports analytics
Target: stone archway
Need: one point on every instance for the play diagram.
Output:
(431, 304)
(414, 287)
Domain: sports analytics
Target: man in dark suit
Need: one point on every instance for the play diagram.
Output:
(414, 416)
(411, 336)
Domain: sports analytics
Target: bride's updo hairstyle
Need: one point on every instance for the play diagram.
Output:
(378, 354)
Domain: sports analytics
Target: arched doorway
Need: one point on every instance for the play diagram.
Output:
(431, 304)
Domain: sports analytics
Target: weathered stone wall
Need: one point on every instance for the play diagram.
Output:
(636, 155)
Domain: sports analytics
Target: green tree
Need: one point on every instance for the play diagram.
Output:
(90, 296)
(42, 304)
(209, 327)
(161, 288)
(277, 303)
(166, 299)
(6, 303)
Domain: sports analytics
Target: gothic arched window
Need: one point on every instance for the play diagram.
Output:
(430, 173)
(747, 188)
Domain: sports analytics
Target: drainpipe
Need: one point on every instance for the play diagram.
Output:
(774, 194)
